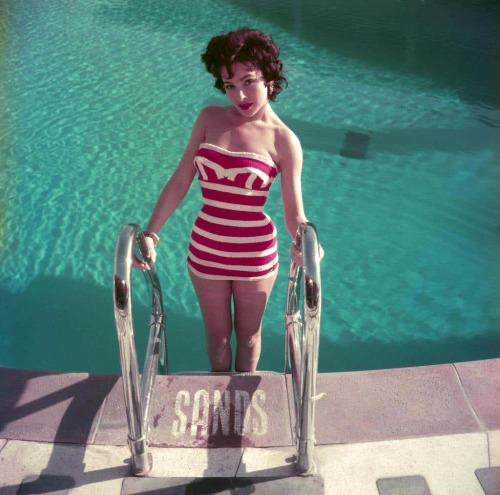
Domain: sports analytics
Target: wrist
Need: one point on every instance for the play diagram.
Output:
(152, 235)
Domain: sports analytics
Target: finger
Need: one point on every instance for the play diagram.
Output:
(296, 257)
(140, 265)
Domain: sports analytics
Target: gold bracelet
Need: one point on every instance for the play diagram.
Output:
(152, 235)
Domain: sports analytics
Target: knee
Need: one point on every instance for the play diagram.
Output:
(247, 351)
(248, 341)
(218, 344)
(219, 353)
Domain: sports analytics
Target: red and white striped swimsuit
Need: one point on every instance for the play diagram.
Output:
(232, 238)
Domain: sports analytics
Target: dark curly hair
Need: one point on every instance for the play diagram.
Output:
(247, 46)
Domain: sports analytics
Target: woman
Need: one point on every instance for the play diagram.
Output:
(236, 151)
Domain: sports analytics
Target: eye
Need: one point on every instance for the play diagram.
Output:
(249, 82)
(228, 87)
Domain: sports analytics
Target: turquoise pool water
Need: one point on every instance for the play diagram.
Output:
(97, 100)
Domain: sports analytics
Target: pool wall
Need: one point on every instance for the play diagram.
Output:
(357, 407)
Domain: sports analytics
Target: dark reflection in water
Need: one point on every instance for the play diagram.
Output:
(455, 43)
(452, 42)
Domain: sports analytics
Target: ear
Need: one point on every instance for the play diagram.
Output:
(270, 88)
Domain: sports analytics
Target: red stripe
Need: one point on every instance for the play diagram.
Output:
(232, 231)
(230, 247)
(247, 261)
(207, 270)
(230, 161)
(233, 214)
(237, 199)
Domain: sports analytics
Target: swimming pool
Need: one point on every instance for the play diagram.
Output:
(98, 96)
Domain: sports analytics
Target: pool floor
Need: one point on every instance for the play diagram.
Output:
(396, 107)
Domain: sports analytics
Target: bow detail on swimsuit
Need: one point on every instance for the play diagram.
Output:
(232, 173)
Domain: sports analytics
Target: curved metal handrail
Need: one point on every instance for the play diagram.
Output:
(302, 341)
(138, 392)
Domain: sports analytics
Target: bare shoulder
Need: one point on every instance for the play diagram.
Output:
(204, 122)
(288, 147)
(213, 112)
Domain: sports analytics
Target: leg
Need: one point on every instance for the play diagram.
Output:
(250, 299)
(214, 297)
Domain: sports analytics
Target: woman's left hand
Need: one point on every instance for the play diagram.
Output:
(150, 250)
(296, 254)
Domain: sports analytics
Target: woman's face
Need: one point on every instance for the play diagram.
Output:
(246, 90)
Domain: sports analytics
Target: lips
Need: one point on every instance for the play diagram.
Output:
(245, 106)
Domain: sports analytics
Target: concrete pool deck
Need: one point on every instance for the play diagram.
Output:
(413, 431)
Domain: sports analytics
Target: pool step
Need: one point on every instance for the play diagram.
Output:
(294, 485)
(221, 410)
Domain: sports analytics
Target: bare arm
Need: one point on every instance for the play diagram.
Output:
(291, 189)
(178, 185)
(176, 188)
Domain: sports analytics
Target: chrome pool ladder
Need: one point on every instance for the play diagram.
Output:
(302, 341)
(138, 392)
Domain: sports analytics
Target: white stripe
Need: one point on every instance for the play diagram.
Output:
(203, 162)
(235, 240)
(231, 254)
(232, 189)
(250, 181)
(235, 223)
(229, 277)
(241, 268)
(231, 206)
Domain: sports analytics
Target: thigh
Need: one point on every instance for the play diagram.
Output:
(214, 298)
(250, 300)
